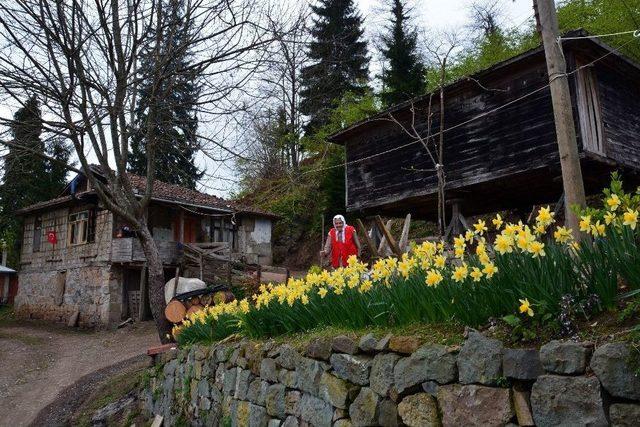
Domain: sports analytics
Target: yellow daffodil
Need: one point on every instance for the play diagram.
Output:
(469, 235)
(585, 223)
(489, 270)
(244, 306)
(537, 249)
(609, 217)
(598, 229)
(525, 307)
(439, 261)
(539, 229)
(503, 244)
(545, 216)
(480, 227)
(460, 273)
(322, 292)
(630, 218)
(613, 202)
(497, 222)
(562, 235)
(476, 274)
(366, 286)
(433, 277)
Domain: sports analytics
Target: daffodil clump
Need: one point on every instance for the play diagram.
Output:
(493, 269)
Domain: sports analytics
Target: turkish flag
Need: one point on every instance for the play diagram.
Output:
(51, 237)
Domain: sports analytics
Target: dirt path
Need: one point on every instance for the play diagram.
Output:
(38, 362)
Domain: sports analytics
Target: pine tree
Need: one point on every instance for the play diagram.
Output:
(404, 75)
(176, 122)
(340, 62)
(28, 176)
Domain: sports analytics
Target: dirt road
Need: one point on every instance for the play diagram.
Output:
(38, 361)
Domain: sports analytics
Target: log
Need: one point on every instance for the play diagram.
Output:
(404, 237)
(194, 308)
(367, 239)
(175, 311)
(389, 238)
(383, 249)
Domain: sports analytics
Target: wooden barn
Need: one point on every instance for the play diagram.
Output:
(500, 149)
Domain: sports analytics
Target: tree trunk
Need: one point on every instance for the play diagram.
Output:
(156, 282)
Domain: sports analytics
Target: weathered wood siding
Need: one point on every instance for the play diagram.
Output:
(129, 249)
(516, 138)
(620, 102)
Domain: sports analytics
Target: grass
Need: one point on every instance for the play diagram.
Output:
(7, 315)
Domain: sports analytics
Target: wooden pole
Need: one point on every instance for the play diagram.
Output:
(390, 240)
(572, 182)
(368, 239)
(143, 292)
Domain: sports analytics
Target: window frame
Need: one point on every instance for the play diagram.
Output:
(83, 224)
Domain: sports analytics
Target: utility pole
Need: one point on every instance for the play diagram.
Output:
(573, 186)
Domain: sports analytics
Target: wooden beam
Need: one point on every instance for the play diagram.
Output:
(143, 292)
(367, 238)
(404, 236)
(383, 249)
(390, 240)
(181, 227)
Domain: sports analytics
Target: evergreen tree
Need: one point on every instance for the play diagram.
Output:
(28, 176)
(176, 121)
(404, 75)
(340, 62)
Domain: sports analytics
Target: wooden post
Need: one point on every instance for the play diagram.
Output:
(404, 236)
(387, 235)
(201, 267)
(143, 292)
(181, 227)
(368, 239)
(383, 248)
(561, 99)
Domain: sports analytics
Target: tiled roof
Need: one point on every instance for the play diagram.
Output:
(166, 192)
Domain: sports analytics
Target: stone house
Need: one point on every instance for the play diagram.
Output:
(77, 256)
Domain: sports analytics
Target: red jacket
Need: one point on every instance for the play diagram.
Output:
(341, 251)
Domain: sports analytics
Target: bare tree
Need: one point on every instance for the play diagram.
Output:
(485, 16)
(80, 59)
(440, 53)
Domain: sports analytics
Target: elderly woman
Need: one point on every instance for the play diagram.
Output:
(342, 242)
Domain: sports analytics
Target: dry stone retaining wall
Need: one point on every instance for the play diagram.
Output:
(394, 381)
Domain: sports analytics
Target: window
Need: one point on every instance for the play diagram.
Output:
(589, 111)
(82, 227)
(37, 234)
(222, 230)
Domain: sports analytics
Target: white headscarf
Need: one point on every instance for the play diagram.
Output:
(341, 236)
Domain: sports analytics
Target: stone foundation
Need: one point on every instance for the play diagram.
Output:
(393, 381)
(55, 295)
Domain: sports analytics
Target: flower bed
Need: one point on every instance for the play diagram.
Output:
(526, 269)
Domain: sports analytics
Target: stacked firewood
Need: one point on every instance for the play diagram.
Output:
(190, 302)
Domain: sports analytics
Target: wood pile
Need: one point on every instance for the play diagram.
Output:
(190, 302)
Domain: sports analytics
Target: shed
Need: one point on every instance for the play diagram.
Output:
(500, 148)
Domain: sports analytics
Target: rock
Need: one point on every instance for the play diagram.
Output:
(105, 415)
(319, 348)
(247, 414)
(431, 362)
(291, 401)
(243, 379)
(274, 422)
(624, 415)
(405, 345)
(344, 344)
(334, 390)
(354, 369)
(288, 357)
(368, 343)
(269, 370)
(381, 378)
(340, 413)
(257, 391)
(474, 405)
(613, 365)
(419, 410)
(430, 387)
(383, 343)
(557, 400)
(345, 422)
(388, 413)
(522, 407)
(309, 372)
(203, 388)
(275, 400)
(288, 378)
(290, 422)
(229, 382)
(315, 411)
(364, 409)
(521, 364)
(568, 358)
(480, 360)
(222, 353)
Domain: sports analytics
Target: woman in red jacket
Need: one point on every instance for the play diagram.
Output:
(342, 242)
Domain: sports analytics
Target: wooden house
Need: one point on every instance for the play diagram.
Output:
(500, 148)
(78, 257)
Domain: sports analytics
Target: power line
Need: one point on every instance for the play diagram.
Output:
(636, 33)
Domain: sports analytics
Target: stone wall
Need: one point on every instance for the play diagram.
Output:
(396, 381)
